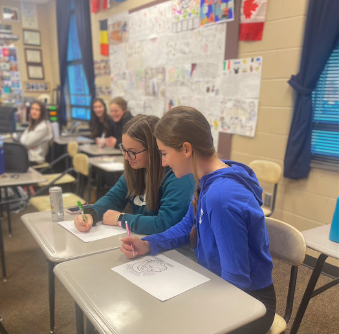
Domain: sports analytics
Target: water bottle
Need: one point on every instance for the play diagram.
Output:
(334, 232)
(2, 158)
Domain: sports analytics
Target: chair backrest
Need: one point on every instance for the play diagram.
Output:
(7, 119)
(16, 158)
(266, 171)
(72, 148)
(286, 242)
(81, 163)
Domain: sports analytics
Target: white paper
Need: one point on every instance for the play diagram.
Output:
(185, 15)
(29, 15)
(97, 232)
(112, 166)
(118, 28)
(160, 276)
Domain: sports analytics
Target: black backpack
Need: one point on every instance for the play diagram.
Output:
(16, 158)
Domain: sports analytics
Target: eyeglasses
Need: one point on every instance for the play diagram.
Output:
(130, 154)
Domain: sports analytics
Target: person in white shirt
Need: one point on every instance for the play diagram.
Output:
(39, 132)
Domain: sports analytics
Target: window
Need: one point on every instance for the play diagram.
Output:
(78, 92)
(325, 101)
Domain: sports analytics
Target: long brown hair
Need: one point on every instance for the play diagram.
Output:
(186, 124)
(141, 128)
(94, 123)
(43, 115)
(122, 103)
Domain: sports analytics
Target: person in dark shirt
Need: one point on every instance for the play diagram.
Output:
(120, 116)
(100, 121)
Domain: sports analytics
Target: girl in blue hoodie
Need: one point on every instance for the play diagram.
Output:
(158, 198)
(224, 221)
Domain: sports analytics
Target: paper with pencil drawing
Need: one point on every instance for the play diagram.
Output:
(160, 276)
(97, 232)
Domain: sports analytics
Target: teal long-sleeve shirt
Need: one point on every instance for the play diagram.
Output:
(174, 198)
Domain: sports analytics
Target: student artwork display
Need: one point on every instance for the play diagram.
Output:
(155, 69)
(103, 90)
(102, 68)
(185, 15)
(10, 87)
(118, 28)
(216, 11)
(160, 276)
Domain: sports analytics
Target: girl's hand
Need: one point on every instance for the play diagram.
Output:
(141, 247)
(80, 224)
(109, 217)
(110, 142)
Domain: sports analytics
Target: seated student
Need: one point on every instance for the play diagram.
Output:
(120, 116)
(224, 222)
(159, 200)
(38, 134)
(100, 122)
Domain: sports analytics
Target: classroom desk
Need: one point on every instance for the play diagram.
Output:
(76, 137)
(60, 245)
(72, 134)
(94, 150)
(115, 305)
(318, 240)
(12, 180)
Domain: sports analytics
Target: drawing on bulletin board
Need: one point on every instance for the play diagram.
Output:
(215, 11)
(118, 28)
(10, 80)
(155, 81)
(185, 15)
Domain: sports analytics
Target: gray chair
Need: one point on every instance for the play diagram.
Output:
(7, 119)
(287, 244)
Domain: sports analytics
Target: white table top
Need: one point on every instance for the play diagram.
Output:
(115, 305)
(59, 244)
(96, 150)
(32, 176)
(100, 162)
(318, 239)
(77, 138)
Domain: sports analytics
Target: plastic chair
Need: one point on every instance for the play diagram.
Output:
(81, 167)
(268, 172)
(287, 244)
(72, 150)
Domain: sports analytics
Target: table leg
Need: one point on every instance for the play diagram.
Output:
(8, 214)
(2, 329)
(98, 183)
(51, 286)
(308, 293)
(79, 316)
(2, 253)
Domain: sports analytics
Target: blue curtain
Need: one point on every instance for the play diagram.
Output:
(63, 9)
(321, 37)
(83, 19)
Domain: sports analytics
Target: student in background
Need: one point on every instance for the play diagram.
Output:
(38, 134)
(158, 198)
(100, 122)
(120, 116)
(225, 222)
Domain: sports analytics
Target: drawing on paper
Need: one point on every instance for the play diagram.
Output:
(185, 15)
(148, 266)
(118, 28)
(214, 11)
(155, 81)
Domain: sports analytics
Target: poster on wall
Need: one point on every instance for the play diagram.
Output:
(216, 11)
(102, 68)
(10, 80)
(10, 14)
(185, 15)
(29, 15)
(118, 28)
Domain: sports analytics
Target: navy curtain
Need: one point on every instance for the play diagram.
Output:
(321, 37)
(83, 19)
(63, 9)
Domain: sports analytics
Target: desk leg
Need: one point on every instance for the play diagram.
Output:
(51, 285)
(8, 214)
(79, 316)
(98, 182)
(2, 329)
(2, 253)
(308, 293)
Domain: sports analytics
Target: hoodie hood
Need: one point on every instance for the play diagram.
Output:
(238, 171)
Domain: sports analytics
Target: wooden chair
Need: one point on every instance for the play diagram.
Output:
(81, 168)
(72, 150)
(268, 172)
(287, 244)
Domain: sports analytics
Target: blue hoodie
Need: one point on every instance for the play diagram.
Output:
(232, 235)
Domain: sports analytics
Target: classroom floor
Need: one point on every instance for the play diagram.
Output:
(24, 298)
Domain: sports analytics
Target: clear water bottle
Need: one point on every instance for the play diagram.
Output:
(2, 158)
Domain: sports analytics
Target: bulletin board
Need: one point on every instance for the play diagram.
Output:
(157, 64)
